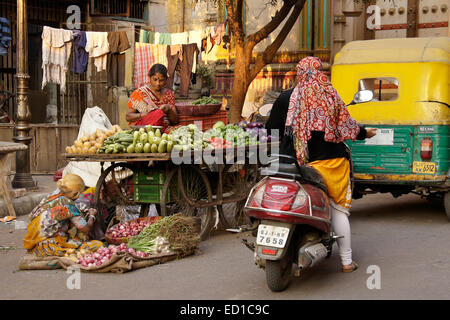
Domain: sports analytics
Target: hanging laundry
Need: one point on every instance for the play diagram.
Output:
(210, 53)
(80, 58)
(56, 48)
(179, 38)
(118, 43)
(97, 46)
(183, 63)
(145, 56)
(174, 54)
(143, 36)
(195, 36)
(163, 38)
(5, 36)
(219, 32)
(151, 37)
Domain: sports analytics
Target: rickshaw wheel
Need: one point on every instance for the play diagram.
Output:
(197, 188)
(112, 189)
(238, 183)
(447, 204)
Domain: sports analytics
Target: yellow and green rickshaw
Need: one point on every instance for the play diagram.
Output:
(410, 82)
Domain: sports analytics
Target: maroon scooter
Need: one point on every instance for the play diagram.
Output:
(290, 212)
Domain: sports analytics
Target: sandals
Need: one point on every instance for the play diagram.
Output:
(350, 267)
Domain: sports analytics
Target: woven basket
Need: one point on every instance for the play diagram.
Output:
(188, 109)
(118, 241)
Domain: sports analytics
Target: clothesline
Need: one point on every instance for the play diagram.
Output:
(105, 48)
(154, 48)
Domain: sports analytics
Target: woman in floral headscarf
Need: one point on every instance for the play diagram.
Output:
(317, 123)
(57, 226)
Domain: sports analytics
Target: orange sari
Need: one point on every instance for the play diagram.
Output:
(145, 100)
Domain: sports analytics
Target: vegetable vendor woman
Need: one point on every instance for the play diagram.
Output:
(153, 104)
(57, 225)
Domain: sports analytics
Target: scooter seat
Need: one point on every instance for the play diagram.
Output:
(303, 174)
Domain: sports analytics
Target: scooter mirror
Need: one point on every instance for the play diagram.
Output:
(363, 96)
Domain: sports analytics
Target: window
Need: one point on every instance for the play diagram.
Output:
(124, 8)
(384, 89)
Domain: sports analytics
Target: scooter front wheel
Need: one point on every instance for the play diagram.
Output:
(279, 273)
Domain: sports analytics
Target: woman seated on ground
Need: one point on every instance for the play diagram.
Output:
(153, 104)
(57, 225)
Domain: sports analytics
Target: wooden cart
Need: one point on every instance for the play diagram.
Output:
(193, 188)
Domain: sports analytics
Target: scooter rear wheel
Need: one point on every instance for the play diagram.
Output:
(279, 273)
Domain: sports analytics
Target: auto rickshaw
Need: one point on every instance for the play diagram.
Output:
(410, 81)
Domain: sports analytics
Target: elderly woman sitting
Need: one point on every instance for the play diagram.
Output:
(57, 225)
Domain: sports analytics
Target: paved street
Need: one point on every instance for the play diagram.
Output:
(406, 237)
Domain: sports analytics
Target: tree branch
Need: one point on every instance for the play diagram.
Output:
(276, 20)
(272, 49)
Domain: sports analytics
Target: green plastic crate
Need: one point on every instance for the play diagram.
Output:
(154, 177)
(149, 193)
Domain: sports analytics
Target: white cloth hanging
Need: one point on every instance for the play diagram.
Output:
(97, 46)
(179, 38)
(56, 49)
(195, 36)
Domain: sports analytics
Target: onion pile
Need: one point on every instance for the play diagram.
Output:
(128, 228)
(104, 254)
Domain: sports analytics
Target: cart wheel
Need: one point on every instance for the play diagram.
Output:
(238, 181)
(197, 189)
(112, 189)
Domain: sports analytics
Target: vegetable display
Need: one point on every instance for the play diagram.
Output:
(240, 134)
(179, 231)
(188, 137)
(184, 138)
(205, 100)
(90, 144)
(128, 228)
(104, 254)
(143, 140)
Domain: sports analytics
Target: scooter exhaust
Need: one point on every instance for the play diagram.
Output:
(311, 254)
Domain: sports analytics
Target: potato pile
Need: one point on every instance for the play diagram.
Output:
(89, 144)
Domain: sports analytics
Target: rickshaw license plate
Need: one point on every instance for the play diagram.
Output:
(424, 167)
(272, 236)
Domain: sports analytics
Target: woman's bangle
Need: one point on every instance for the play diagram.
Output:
(91, 216)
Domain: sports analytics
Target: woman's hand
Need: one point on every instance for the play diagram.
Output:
(371, 132)
(165, 108)
(92, 212)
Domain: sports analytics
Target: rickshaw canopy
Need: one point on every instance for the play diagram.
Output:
(411, 75)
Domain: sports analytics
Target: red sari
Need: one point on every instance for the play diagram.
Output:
(145, 100)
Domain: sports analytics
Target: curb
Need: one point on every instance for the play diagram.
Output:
(23, 205)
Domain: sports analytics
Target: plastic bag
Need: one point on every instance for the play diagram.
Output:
(93, 119)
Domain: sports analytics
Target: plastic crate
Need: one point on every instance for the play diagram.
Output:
(148, 193)
(204, 122)
(155, 176)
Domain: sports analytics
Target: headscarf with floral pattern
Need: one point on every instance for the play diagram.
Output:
(316, 106)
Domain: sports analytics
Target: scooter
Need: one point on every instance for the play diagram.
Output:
(291, 216)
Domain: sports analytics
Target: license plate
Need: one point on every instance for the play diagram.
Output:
(272, 236)
(424, 167)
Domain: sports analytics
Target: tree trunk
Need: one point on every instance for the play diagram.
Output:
(244, 72)
(240, 84)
